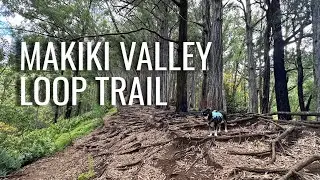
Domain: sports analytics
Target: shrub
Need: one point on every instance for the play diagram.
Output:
(8, 162)
(32, 145)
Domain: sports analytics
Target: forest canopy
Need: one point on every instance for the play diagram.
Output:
(250, 56)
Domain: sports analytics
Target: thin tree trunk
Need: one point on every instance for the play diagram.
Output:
(60, 93)
(271, 99)
(173, 86)
(192, 91)
(260, 84)
(215, 77)
(235, 85)
(280, 74)
(316, 48)
(266, 72)
(300, 77)
(260, 56)
(69, 105)
(224, 100)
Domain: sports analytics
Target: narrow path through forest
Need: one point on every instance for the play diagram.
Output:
(147, 143)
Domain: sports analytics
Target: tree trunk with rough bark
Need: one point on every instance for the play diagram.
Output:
(300, 77)
(316, 48)
(266, 72)
(182, 93)
(280, 74)
(205, 39)
(253, 95)
(164, 53)
(266, 58)
(215, 75)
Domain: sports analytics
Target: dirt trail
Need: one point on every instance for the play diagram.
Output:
(147, 143)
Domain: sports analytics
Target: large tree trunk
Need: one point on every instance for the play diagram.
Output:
(280, 74)
(164, 54)
(316, 48)
(266, 57)
(215, 76)
(182, 93)
(205, 39)
(253, 95)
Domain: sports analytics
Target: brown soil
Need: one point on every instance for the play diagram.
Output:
(148, 143)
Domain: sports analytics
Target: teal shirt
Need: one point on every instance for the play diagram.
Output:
(217, 114)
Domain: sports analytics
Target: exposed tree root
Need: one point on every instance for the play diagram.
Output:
(226, 138)
(275, 141)
(258, 153)
(272, 122)
(300, 166)
(242, 120)
(128, 165)
(262, 170)
(139, 147)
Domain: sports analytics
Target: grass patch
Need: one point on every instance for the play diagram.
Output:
(90, 174)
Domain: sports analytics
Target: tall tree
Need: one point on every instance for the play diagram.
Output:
(280, 74)
(215, 76)
(164, 54)
(205, 5)
(316, 47)
(300, 79)
(182, 96)
(266, 58)
(253, 95)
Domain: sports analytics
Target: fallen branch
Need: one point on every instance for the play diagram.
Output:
(273, 143)
(272, 122)
(255, 153)
(242, 120)
(263, 170)
(299, 123)
(300, 166)
(194, 162)
(296, 113)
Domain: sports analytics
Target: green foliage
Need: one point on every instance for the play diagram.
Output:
(31, 145)
(90, 174)
(7, 162)
(82, 129)
(25, 118)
